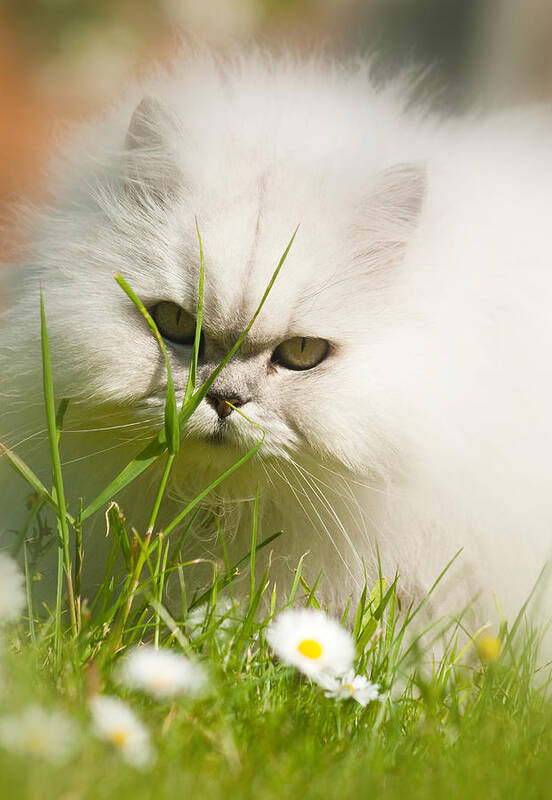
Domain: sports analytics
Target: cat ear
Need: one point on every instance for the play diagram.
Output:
(392, 210)
(151, 173)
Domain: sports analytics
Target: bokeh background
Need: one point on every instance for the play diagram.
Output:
(61, 59)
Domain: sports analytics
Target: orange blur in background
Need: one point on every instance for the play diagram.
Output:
(62, 59)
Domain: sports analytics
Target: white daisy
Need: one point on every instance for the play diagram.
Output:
(12, 589)
(162, 673)
(36, 731)
(114, 722)
(311, 641)
(350, 685)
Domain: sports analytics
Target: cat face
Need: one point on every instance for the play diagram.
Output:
(312, 318)
(311, 368)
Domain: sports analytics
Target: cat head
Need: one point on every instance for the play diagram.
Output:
(250, 163)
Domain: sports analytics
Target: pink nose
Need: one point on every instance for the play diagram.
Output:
(220, 404)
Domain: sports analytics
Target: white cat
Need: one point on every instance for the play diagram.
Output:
(401, 367)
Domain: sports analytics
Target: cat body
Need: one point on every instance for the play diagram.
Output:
(421, 259)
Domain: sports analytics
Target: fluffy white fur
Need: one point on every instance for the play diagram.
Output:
(423, 256)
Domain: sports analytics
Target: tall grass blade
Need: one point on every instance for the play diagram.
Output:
(53, 437)
(190, 386)
(253, 548)
(133, 469)
(172, 430)
(196, 399)
(226, 474)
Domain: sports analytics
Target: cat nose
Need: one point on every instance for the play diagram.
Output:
(219, 401)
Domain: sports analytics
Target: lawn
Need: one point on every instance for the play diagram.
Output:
(465, 726)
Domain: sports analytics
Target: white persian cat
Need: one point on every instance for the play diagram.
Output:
(401, 367)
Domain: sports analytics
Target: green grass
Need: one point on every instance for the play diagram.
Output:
(453, 726)
(265, 731)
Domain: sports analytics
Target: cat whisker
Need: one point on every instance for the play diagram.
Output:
(360, 521)
(104, 450)
(138, 424)
(330, 508)
(28, 438)
(387, 492)
(294, 491)
(317, 483)
(40, 435)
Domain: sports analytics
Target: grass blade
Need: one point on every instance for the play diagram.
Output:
(196, 399)
(133, 469)
(17, 463)
(53, 436)
(253, 548)
(172, 430)
(190, 386)
(226, 474)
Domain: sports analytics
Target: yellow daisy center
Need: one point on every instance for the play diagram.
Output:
(349, 686)
(159, 682)
(119, 737)
(310, 648)
(36, 740)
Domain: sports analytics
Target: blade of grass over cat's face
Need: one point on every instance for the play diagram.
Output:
(172, 430)
(190, 386)
(159, 445)
(226, 474)
(196, 399)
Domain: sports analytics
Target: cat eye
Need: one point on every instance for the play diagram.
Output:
(174, 323)
(301, 352)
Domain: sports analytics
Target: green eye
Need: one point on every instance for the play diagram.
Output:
(301, 352)
(174, 323)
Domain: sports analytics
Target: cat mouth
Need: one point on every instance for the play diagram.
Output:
(228, 432)
(222, 433)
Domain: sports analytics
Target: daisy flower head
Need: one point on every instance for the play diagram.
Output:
(162, 673)
(350, 685)
(35, 731)
(12, 590)
(312, 642)
(114, 722)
